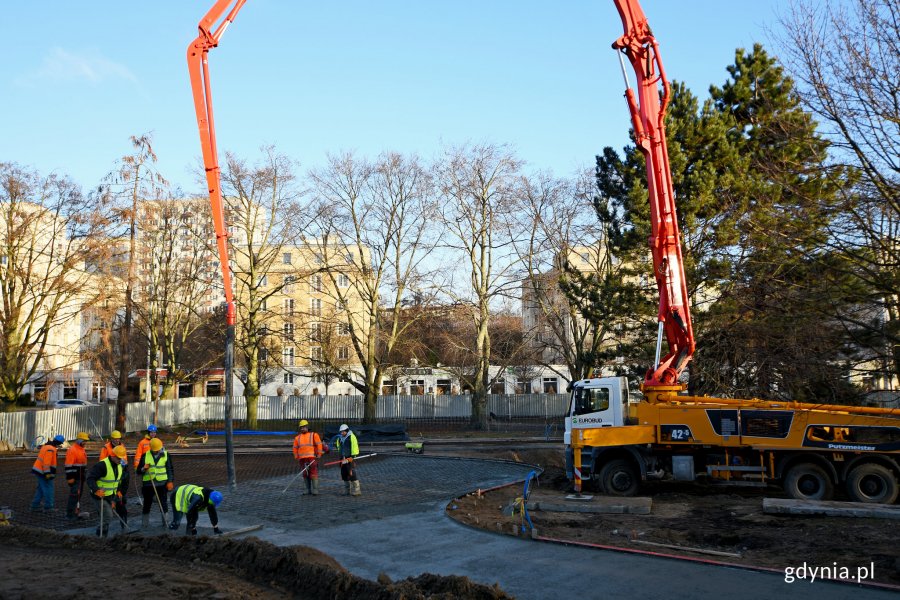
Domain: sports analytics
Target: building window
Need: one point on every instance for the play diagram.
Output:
(443, 387)
(287, 356)
(315, 283)
(416, 387)
(343, 328)
(289, 284)
(70, 390)
(551, 385)
(39, 391)
(263, 354)
(340, 306)
(318, 258)
(263, 281)
(389, 387)
(289, 378)
(343, 353)
(288, 306)
(315, 353)
(262, 304)
(523, 386)
(315, 307)
(498, 387)
(343, 281)
(349, 258)
(286, 258)
(315, 332)
(289, 331)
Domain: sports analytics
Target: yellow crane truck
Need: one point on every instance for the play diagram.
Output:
(810, 449)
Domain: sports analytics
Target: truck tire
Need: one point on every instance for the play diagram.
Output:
(808, 481)
(619, 478)
(874, 483)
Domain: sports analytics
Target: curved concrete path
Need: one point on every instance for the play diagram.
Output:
(406, 538)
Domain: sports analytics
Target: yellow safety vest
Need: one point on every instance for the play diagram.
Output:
(156, 470)
(183, 497)
(110, 482)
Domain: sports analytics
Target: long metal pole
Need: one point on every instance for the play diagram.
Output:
(229, 392)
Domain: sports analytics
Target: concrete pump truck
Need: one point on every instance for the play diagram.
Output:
(809, 449)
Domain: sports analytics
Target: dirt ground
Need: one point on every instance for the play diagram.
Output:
(694, 516)
(196, 567)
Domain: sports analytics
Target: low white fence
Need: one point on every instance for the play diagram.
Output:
(21, 429)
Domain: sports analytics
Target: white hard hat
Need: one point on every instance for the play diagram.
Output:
(343, 428)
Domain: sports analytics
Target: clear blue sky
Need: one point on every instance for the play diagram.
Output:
(78, 78)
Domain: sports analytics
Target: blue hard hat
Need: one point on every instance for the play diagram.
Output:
(216, 498)
(59, 439)
(151, 428)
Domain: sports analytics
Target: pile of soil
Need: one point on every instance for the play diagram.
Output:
(197, 567)
(687, 516)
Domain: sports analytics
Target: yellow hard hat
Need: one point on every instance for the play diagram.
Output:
(116, 434)
(155, 444)
(120, 451)
(304, 423)
(82, 436)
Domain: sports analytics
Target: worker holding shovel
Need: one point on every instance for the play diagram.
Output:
(158, 476)
(106, 480)
(76, 468)
(308, 447)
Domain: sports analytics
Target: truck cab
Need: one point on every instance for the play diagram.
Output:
(595, 402)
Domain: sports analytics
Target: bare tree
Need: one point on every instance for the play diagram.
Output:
(134, 179)
(846, 57)
(478, 188)
(51, 240)
(264, 213)
(376, 231)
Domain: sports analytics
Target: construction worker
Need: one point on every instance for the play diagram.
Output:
(76, 468)
(190, 500)
(155, 469)
(44, 469)
(144, 445)
(115, 441)
(347, 447)
(106, 480)
(308, 447)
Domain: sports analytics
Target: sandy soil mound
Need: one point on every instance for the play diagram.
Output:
(197, 567)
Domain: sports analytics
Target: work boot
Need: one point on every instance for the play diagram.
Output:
(165, 518)
(315, 486)
(346, 488)
(308, 487)
(354, 489)
(145, 520)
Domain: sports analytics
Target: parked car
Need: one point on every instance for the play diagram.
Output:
(71, 403)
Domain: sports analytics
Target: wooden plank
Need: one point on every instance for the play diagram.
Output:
(784, 506)
(689, 549)
(242, 530)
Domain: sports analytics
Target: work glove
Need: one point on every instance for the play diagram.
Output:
(344, 461)
(325, 449)
(118, 494)
(70, 481)
(170, 486)
(216, 530)
(100, 493)
(112, 505)
(49, 475)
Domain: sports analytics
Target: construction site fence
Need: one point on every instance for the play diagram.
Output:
(541, 413)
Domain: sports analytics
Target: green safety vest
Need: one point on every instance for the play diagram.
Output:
(110, 482)
(156, 470)
(183, 497)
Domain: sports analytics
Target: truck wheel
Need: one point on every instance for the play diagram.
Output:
(808, 481)
(872, 483)
(619, 478)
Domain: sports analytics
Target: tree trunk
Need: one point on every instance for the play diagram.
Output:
(251, 391)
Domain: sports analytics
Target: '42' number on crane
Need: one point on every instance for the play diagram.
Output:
(676, 433)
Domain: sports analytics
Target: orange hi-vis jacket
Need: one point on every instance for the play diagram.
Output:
(76, 460)
(307, 445)
(142, 448)
(107, 450)
(46, 460)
